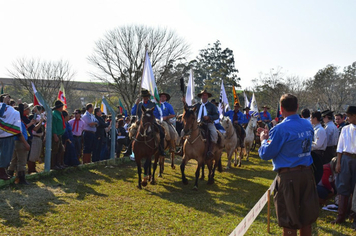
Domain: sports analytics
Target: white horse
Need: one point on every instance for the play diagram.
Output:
(231, 142)
(250, 136)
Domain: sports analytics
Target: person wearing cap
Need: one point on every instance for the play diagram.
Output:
(77, 125)
(207, 113)
(58, 129)
(332, 134)
(288, 144)
(90, 123)
(236, 118)
(265, 115)
(346, 165)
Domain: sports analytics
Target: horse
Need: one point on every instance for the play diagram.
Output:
(145, 145)
(232, 142)
(257, 140)
(171, 141)
(250, 135)
(194, 148)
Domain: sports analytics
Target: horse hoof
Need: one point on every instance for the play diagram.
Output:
(211, 181)
(139, 187)
(220, 169)
(235, 164)
(185, 181)
(227, 168)
(202, 178)
(240, 165)
(173, 167)
(144, 183)
(195, 188)
(153, 182)
(160, 175)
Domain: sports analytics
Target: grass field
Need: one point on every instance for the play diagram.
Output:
(104, 200)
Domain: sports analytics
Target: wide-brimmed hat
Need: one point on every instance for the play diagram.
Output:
(77, 111)
(167, 96)
(5, 94)
(246, 108)
(26, 106)
(237, 104)
(351, 110)
(145, 93)
(265, 106)
(204, 91)
(58, 104)
(327, 112)
(214, 102)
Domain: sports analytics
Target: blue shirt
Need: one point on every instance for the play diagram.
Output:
(167, 109)
(263, 118)
(231, 115)
(246, 119)
(289, 143)
(149, 104)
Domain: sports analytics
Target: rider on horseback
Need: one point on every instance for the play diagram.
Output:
(207, 113)
(236, 118)
(136, 110)
(265, 116)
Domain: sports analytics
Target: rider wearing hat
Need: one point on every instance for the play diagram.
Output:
(246, 116)
(236, 118)
(207, 113)
(265, 116)
(137, 110)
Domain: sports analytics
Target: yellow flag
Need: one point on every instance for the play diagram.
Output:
(236, 98)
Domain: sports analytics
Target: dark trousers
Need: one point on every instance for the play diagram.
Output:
(78, 144)
(89, 142)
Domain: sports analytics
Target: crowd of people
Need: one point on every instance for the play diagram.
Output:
(316, 151)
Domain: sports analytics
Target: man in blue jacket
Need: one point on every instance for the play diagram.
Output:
(288, 144)
(236, 118)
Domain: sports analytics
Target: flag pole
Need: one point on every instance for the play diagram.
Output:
(143, 69)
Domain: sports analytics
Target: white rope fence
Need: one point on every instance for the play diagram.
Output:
(254, 212)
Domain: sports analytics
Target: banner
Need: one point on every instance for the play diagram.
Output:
(224, 103)
(247, 103)
(236, 97)
(103, 108)
(189, 96)
(62, 96)
(35, 101)
(253, 105)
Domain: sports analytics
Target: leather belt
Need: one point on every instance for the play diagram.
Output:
(287, 169)
(78, 136)
(349, 154)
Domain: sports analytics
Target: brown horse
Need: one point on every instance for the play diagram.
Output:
(194, 148)
(232, 142)
(145, 145)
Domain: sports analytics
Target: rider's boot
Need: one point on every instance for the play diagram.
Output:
(210, 154)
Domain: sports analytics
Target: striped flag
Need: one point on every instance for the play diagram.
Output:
(103, 108)
(62, 96)
(35, 101)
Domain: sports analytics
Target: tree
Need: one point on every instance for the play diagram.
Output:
(46, 76)
(213, 65)
(119, 58)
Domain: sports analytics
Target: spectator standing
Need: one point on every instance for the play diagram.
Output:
(58, 128)
(90, 123)
(288, 144)
(77, 125)
(70, 155)
(332, 134)
(100, 136)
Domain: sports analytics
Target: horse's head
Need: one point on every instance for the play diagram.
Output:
(226, 122)
(253, 122)
(189, 118)
(147, 120)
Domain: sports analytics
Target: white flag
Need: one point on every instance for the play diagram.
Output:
(103, 108)
(223, 101)
(189, 96)
(148, 82)
(247, 103)
(253, 105)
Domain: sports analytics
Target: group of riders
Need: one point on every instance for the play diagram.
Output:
(207, 114)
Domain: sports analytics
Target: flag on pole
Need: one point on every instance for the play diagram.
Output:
(62, 96)
(121, 107)
(103, 108)
(189, 96)
(2, 88)
(253, 105)
(236, 97)
(35, 101)
(148, 82)
(247, 103)
(224, 103)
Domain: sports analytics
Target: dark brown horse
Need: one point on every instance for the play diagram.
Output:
(145, 145)
(194, 148)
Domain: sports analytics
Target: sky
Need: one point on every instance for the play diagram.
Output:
(300, 37)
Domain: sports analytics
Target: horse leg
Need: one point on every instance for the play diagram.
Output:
(240, 157)
(139, 171)
(154, 168)
(202, 172)
(235, 160)
(161, 166)
(210, 176)
(197, 172)
(145, 172)
(248, 149)
(220, 169)
(182, 167)
(173, 145)
(229, 156)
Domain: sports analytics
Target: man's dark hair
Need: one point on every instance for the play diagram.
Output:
(88, 106)
(305, 113)
(341, 115)
(64, 113)
(96, 110)
(289, 102)
(316, 114)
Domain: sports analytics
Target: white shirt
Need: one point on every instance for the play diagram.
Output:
(347, 140)
(332, 133)
(320, 141)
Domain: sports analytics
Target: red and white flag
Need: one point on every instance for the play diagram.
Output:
(35, 101)
(62, 96)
